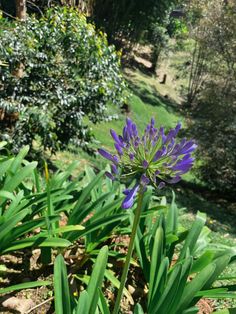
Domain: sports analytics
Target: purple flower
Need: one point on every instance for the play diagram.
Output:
(155, 158)
(129, 200)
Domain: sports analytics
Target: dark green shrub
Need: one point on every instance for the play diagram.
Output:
(60, 74)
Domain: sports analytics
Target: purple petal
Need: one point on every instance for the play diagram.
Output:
(129, 124)
(125, 134)
(157, 155)
(174, 180)
(179, 146)
(188, 146)
(131, 156)
(161, 185)
(114, 169)
(126, 191)
(170, 146)
(170, 136)
(119, 149)
(163, 136)
(105, 154)
(152, 132)
(145, 164)
(136, 142)
(144, 180)
(152, 121)
(191, 149)
(177, 128)
(129, 200)
(184, 167)
(160, 153)
(134, 130)
(115, 159)
(109, 175)
(116, 137)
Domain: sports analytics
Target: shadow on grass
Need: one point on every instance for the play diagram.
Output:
(149, 94)
(221, 213)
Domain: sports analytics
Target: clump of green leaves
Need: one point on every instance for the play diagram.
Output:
(60, 74)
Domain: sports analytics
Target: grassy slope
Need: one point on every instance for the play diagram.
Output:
(141, 113)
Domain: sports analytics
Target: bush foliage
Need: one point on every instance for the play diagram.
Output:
(60, 71)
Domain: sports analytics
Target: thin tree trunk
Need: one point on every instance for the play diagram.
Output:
(21, 9)
(20, 15)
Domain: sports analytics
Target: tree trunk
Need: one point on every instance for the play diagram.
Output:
(20, 15)
(21, 9)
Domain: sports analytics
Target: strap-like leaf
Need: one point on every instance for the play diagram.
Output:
(25, 285)
(96, 279)
(138, 309)
(194, 286)
(61, 287)
(83, 303)
(156, 258)
(193, 235)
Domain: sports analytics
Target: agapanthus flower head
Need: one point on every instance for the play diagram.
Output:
(155, 158)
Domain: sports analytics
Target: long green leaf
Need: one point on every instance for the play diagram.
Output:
(138, 309)
(172, 217)
(221, 263)
(16, 205)
(85, 211)
(25, 285)
(58, 179)
(19, 177)
(37, 241)
(102, 303)
(96, 225)
(61, 287)
(174, 301)
(156, 258)
(96, 278)
(83, 197)
(116, 283)
(24, 228)
(9, 224)
(159, 284)
(194, 286)
(193, 235)
(216, 293)
(83, 303)
(204, 260)
(19, 158)
(169, 292)
(68, 228)
(192, 310)
(5, 165)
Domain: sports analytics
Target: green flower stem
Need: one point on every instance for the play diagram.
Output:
(130, 251)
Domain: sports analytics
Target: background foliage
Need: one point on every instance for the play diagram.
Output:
(211, 92)
(59, 72)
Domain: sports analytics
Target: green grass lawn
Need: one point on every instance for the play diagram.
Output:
(144, 102)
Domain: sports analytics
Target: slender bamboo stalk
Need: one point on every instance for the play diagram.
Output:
(130, 251)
